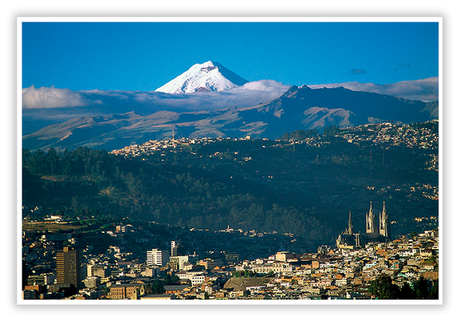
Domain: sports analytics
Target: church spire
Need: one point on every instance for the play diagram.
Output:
(383, 222)
(371, 224)
(350, 224)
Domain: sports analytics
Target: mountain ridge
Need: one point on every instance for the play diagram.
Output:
(297, 109)
(207, 100)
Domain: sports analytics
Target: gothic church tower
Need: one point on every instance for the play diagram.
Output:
(350, 224)
(383, 223)
(371, 222)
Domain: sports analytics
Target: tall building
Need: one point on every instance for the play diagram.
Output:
(68, 267)
(157, 257)
(173, 248)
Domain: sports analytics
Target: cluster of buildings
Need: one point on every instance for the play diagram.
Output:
(381, 133)
(152, 146)
(394, 135)
(62, 271)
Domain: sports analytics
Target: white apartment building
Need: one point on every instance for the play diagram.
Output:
(157, 257)
(276, 267)
(195, 277)
(179, 261)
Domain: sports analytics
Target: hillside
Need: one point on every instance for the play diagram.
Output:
(298, 108)
(305, 187)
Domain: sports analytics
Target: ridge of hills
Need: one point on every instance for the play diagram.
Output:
(207, 100)
(298, 108)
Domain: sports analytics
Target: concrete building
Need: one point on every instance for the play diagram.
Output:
(178, 262)
(283, 256)
(157, 257)
(68, 267)
(210, 263)
(174, 247)
(195, 277)
(42, 279)
(276, 267)
(92, 282)
(98, 270)
(127, 291)
(151, 271)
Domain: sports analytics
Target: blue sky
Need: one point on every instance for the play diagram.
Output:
(144, 56)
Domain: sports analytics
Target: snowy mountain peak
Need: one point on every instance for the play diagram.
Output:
(209, 76)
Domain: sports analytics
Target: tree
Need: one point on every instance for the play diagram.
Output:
(171, 279)
(270, 274)
(331, 131)
(383, 288)
(52, 162)
(434, 292)
(38, 163)
(426, 289)
(406, 292)
(299, 134)
(157, 287)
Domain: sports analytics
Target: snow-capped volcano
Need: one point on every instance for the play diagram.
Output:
(209, 76)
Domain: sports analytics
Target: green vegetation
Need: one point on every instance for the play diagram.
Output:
(331, 130)
(305, 187)
(383, 288)
(156, 287)
(299, 134)
(244, 274)
(86, 183)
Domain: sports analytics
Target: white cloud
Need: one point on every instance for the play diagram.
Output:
(265, 85)
(250, 94)
(424, 89)
(51, 98)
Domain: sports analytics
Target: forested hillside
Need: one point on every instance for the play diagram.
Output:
(302, 186)
(87, 182)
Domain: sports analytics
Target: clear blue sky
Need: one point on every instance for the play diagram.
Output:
(144, 56)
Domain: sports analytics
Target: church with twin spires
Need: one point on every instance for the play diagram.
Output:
(376, 230)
